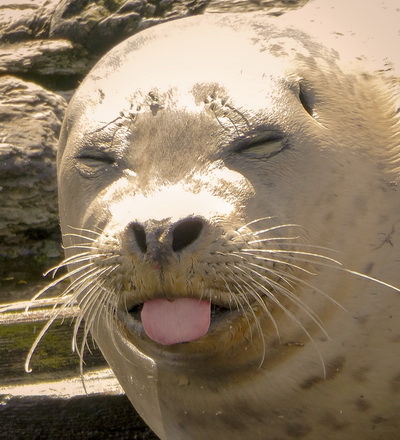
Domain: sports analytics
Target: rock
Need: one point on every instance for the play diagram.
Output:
(30, 122)
(21, 20)
(45, 57)
(100, 25)
(271, 6)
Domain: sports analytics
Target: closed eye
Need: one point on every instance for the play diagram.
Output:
(94, 158)
(263, 148)
(92, 162)
(307, 98)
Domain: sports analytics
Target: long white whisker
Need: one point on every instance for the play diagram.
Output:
(289, 295)
(84, 237)
(299, 280)
(68, 301)
(254, 221)
(293, 317)
(273, 228)
(290, 252)
(65, 262)
(293, 244)
(80, 246)
(55, 282)
(53, 317)
(261, 303)
(85, 297)
(274, 260)
(259, 300)
(90, 231)
(375, 280)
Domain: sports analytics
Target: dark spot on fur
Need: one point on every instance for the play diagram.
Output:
(332, 422)
(362, 404)
(377, 420)
(395, 383)
(396, 339)
(277, 50)
(359, 203)
(332, 369)
(360, 375)
(222, 419)
(233, 422)
(102, 95)
(310, 382)
(242, 407)
(361, 319)
(297, 430)
(368, 268)
(329, 217)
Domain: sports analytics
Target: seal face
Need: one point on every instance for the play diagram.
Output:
(231, 220)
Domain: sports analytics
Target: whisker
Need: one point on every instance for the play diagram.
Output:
(279, 288)
(89, 300)
(271, 229)
(95, 302)
(90, 231)
(290, 253)
(55, 282)
(340, 267)
(67, 302)
(255, 221)
(259, 300)
(237, 302)
(83, 258)
(256, 321)
(87, 296)
(80, 246)
(112, 317)
(295, 245)
(41, 334)
(274, 260)
(65, 263)
(290, 295)
(293, 318)
(305, 283)
(85, 237)
(367, 277)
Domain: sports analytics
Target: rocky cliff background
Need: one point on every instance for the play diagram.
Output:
(46, 48)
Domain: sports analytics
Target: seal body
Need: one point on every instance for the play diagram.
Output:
(230, 210)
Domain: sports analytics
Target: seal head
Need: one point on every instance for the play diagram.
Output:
(230, 214)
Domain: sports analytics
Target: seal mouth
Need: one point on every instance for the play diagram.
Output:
(217, 312)
(175, 321)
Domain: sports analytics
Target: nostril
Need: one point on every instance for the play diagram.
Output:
(140, 236)
(185, 233)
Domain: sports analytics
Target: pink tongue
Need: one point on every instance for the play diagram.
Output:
(179, 320)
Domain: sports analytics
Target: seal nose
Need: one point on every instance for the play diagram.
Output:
(153, 238)
(139, 234)
(186, 232)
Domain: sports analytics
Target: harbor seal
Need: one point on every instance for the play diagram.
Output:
(230, 212)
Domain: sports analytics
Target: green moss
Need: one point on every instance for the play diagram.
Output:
(53, 354)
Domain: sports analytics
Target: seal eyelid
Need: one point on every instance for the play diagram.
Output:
(263, 148)
(93, 157)
(307, 98)
(91, 163)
